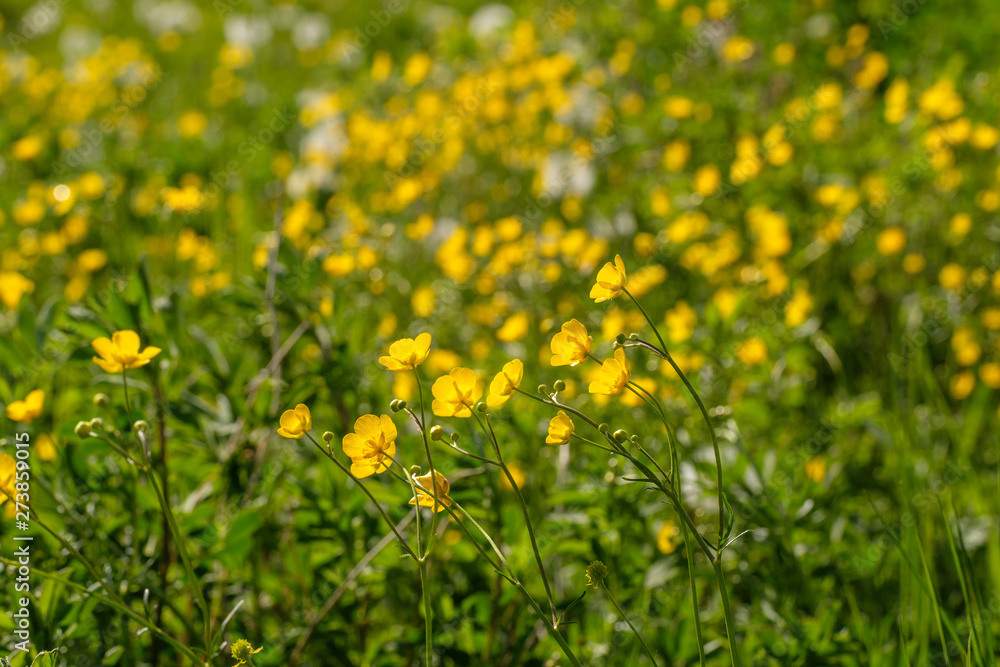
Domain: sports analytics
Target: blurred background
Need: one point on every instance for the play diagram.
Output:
(805, 195)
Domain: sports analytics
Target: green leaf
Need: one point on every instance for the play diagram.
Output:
(45, 659)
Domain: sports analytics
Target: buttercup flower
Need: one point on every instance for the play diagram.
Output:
(407, 353)
(295, 423)
(596, 573)
(611, 279)
(25, 411)
(440, 489)
(455, 393)
(560, 429)
(372, 446)
(243, 650)
(505, 382)
(122, 352)
(571, 345)
(613, 377)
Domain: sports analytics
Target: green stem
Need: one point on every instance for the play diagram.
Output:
(701, 406)
(621, 611)
(524, 511)
(181, 546)
(425, 576)
(694, 595)
(427, 451)
(734, 652)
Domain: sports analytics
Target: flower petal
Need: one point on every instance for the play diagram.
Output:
(126, 341)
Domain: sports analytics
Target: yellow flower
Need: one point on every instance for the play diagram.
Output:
(295, 423)
(456, 393)
(12, 287)
(611, 280)
(8, 471)
(613, 377)
(560, 429)
(816, 469)
(752, 351)
(407, 353)
(665, 538)
(571, 345)
(45, 447)
(441, 489)
(25, 411)
(505, 382)
(372, 446)
(243, 650)
(122, 352)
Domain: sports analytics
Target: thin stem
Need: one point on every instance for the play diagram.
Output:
(181, 546)
(701, 406)
(427, 451)
(512, 577)
(128, 404)
(425, 576)
(627, 620)
(694, 594)
(734, 651)
(524, 512)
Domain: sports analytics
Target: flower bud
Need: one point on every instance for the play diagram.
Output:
(559, 385)
(542, 389)
(603, 428)
(454, 438)
(437, 432)
(620, 435)
(480, 407)
(620, 339)
(633, 336)
(101, 400)
(394, 405)
(96, 424)
(597, 572)
(140, 426)
(634, 439)
(401, 404)
(82, 429)
(414, 471)
(327, 437)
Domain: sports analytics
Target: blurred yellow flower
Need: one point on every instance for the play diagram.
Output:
(560, 429)
(13, 286)
(952, 276)
(426, 493)
(27, 410)
(613, 377)
(27, 148)
(989, 373)
(295, 423)
(891, 240)
(611, 280)
(752, 351)
(571, 345)
(815, 469)
(8, 476)
(456, 393)
(665, 537)
(514, 328)
(122, 352)
(962, 384)
(45, 447)
(372, 446)
(407, 353)
(505, 382)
